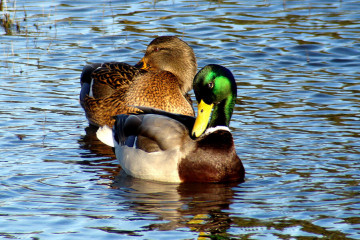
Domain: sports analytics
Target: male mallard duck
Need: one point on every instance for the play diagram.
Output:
(169, 147)
(160, 80)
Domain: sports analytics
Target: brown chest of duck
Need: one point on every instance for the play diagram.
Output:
(160, 80)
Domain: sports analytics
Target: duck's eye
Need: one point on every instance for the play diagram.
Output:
(210, 85)
(156, 49)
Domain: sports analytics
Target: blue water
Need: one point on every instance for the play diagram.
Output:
(296, 127)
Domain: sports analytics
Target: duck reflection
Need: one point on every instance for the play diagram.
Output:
(104, 156)
(90, 142)
(196, 206)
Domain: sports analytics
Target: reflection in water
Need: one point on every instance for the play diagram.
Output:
(92, 143)
(284, 229)
(105, 154)
(196, 206)
(205, 209)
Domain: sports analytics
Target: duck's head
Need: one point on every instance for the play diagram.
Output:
(215, 91)
(169, 53)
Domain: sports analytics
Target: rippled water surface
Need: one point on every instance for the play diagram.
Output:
(296, 128)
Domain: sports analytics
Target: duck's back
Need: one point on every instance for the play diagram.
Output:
(158, 90)
(111, 77)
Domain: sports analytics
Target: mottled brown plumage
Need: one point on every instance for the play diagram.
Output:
(160, 80)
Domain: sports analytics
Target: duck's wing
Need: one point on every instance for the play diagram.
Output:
(87, 71)
(115, 74)
(103, 86)
(150, 132)
(86, 79)
(106, 78)
(100, 112)
(150, 146)
(187, 121)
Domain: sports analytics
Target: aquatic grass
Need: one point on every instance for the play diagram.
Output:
(6, 21)
(14, 20)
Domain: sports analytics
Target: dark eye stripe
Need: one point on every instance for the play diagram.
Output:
(155, 49)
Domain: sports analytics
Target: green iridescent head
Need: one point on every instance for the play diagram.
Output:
(215, 91)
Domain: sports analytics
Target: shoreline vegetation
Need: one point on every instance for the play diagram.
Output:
(7, 22)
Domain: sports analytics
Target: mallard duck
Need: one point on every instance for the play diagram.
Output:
(162, 146)
(160, 80)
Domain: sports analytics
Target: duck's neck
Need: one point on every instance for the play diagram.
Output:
(185, 72)
(222, 112)
(185, 82)
(186, 77)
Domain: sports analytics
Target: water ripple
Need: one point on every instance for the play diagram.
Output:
(296, 129)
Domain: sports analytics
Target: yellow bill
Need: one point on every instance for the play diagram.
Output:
(143, 63)
(202, 119)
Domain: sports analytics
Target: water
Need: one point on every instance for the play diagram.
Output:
(296, 126)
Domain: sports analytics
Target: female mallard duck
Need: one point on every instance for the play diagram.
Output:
(160, 80)
(169, 147)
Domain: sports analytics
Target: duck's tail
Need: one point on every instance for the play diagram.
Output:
(105, 135)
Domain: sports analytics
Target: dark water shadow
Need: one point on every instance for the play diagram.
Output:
(90, 142)
(98, 155)
(199, 207)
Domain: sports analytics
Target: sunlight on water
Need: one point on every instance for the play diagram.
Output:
(296, 127)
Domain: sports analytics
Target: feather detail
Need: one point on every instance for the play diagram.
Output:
(217, 128)
(105, 135)
(158, 166)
